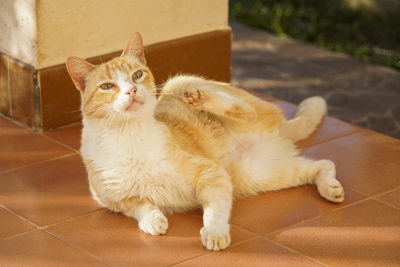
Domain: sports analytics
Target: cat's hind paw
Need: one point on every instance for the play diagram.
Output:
(194, 97)
(332, 190)
(215, 240)
(154, 223)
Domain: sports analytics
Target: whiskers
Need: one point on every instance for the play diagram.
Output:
(73, 111)
(110, 118)
(157, 93)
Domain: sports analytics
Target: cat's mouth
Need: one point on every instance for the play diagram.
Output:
(131, 104)
(134, 104)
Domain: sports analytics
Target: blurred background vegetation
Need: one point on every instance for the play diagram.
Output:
(366, 29)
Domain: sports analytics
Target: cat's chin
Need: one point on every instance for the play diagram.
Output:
(135, 105)
(131, 107)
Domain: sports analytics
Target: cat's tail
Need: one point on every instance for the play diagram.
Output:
(309, 114)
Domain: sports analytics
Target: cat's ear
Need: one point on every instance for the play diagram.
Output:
(79, 69)
(135, 48)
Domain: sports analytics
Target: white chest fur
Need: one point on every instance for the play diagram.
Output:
(132, 161)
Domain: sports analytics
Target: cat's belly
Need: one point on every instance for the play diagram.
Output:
(256, 161)
(153, 179)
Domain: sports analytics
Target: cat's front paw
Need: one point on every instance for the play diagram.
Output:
(194, 97)
(154, 223)
(215, 238)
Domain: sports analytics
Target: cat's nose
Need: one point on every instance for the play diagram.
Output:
(132, 91)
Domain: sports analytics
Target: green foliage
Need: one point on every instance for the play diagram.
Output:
(328, 23)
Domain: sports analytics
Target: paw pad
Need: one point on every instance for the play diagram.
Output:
(194, 97)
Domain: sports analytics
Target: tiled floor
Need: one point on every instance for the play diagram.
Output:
(48, 218)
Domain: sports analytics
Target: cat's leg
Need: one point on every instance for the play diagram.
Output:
(214, 100)
(150, 218)
(210, 96)
(283, 172)
(214, 192)
(236, 104)
(322, 173)
(226, 101)
(328, 186)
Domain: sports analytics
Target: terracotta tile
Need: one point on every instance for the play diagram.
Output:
(11, 225)
(271, 211)
(366, 161)
(392, 198)
(192, 55)
(69, 136)
(257, 252)
(289, 109)
(60, 100)
(117, 240)
(49, 192)
(21, 147)
(4, 97)
(41, 249)
(22, 93)
(366, 234)
(328, 129)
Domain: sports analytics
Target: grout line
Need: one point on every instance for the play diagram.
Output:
(191, 258)
(244, 241)
(292, 225)
(38, 163)
(244, 229)
(17, 123)
(58, 142)
(20, 234)
(77, 247)
(46, 226)
(387, 204)
(319, 215)
(325, 214)
(355, 203)
(234, 245)
(211, 252)
(19, 216)
(373, 197)
(331, 139)
(310, 218)
(346, 186)
(298, 222)
(40, 133)
(22, 218)
(73, 218)
(385, 192)
(295, 251)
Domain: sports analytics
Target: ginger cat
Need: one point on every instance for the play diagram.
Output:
(201, 143)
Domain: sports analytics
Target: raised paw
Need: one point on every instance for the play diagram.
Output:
(332, 190)
(194, 97)
(215, 240)
(154, 223)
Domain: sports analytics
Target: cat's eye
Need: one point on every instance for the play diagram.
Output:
(106, 86)
(137, 75)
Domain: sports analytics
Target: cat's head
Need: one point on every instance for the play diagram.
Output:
(120, 89)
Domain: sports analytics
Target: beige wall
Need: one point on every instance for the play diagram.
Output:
(18, 29)
(44, 33)
(94, 27)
